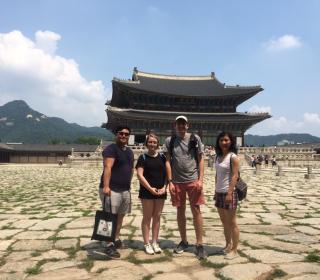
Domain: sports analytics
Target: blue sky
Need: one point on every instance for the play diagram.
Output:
(60, 56)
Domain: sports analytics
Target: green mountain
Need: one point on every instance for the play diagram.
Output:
(272, 140)
(20, 123)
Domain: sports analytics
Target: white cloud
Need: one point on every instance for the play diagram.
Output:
(312, 118)
(49, 83)
(259, 109)
(310, 123)
(47, 41)
(284, 42)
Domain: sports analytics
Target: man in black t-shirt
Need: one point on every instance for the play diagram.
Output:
(115, 182)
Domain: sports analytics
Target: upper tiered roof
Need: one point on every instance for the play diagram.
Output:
(205, 86)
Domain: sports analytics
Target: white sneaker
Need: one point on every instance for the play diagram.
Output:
(156, 248)
(148, 249)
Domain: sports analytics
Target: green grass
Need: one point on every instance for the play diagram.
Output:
(313, 257)
(7, 227)
(2, 262)
(87, 264)
(86, 213)
(263, 233)
(277, 249)
(277, 273)
(265, 223)
(132, 258)
(33, 270)
(308, 216)
(72, 251)
(100, 270)
(35, 254)
(220, 276)
(207, 263)
(251, 259)
(36, 269)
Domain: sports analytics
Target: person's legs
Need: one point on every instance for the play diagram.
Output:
(196, 199)
(147, 211)
(156, 216)
(181, 218)
(121, 204)
(231, 217)
(226, 228)
(197, 222)
(119, 225)
(179, 201)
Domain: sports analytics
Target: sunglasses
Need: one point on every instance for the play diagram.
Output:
(123, 133)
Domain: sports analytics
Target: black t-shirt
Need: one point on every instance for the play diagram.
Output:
(154, 169)
(121, 171)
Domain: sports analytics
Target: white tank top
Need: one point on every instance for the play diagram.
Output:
(223, 173)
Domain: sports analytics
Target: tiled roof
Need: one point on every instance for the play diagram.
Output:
(184, 85)
(52, 148)
(4, 146)
(192, 116)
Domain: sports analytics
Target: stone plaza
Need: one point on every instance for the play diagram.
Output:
(47, 214)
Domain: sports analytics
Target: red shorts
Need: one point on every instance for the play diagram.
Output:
(195, 195)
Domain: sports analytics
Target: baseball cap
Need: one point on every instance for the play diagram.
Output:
(182, 118)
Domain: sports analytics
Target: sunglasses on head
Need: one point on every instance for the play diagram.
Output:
(123, 133)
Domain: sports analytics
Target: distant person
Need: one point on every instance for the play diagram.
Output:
(226, 198)
(185, 169)
(151, 171)
(60, 163)
(253, 161)
(115, 182)
(266, 160)
(274, 161)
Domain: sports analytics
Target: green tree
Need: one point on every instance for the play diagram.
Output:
(91, 140)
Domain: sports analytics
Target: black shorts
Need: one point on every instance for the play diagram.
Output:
(145, 194)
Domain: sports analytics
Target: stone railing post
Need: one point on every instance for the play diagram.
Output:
(257, 171)
(309, 174)
(280, 171)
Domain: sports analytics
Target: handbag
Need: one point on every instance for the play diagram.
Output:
(105, 224)
(241, 186)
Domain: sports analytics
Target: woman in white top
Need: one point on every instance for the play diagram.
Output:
(226, 198)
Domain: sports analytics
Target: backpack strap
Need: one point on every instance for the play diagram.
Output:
(144, 157)
(231, 165)
(194, 146)
(162, 156)
(171, 144)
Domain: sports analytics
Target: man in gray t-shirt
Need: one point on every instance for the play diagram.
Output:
(185, 169)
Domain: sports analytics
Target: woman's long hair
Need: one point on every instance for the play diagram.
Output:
(233, 147)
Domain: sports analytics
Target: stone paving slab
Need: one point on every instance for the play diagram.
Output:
(4, 244)
(307, 277)
(273, 257)
(37, 245)
(299, 268)
(62, 274)
(48, 236)
(245, 271)
(50, 224)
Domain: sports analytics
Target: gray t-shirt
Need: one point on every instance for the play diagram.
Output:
(183, 162)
